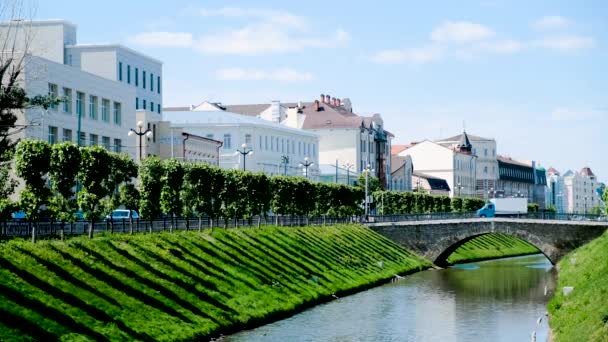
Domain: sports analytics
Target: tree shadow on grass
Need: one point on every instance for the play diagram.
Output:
(69, 298)
(123, 287)
(25, 327)
(50, 313)
(163, 291)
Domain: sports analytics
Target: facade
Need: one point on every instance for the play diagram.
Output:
(487, 164)
(401, 173)
(430, 185)
(174, 142)
(457, 165)
(101, 105)
(344, 136)
(555, 191)
(276, 149)
(521, 179)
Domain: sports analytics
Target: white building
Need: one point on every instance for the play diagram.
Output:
(344, 136)
(457, 166)
(401, 173)
(277, 149)
(102, 96)
(555, 191)
(487, 165)
(580, 191)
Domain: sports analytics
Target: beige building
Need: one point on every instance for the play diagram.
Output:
(456, 165)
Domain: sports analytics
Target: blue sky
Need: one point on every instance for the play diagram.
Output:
(531, 74)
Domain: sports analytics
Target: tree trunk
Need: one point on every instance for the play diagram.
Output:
(61, 231)
(200, 223)
(259, 221)
(130, 225)
(91, 229)
(33, 228)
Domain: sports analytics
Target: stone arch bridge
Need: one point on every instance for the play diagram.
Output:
(436, 240)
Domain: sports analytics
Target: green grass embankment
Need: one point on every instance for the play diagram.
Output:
(491, 246)
(583, 314)
(187, 285)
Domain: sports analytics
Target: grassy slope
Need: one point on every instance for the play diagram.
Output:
(491, 246)
(583, 314)
(183, 286)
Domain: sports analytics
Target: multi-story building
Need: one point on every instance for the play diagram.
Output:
(102, 85)
(344, 136)
(580, 191)
(487, 165)
(276, 148)
(521, 179)
(555, 191)
(456, 165)
(401, 173)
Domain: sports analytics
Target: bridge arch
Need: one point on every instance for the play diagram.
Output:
(442, 258)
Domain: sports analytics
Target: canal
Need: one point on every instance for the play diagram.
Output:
(498, 300)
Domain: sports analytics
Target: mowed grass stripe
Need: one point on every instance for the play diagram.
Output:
(489, 246)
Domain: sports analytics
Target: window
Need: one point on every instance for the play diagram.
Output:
(67, 134)
(128, 74)
(299, 147)
(143, 78)
(248, 139)
(105, 107)
(158, 108)
(83, 138)
(272, 143)
(227, 141)
(117, 145)
(79, 103)
(260, 139)
(136, 103)
(53, 91)
(151, 106)
(93, 103)
(52, 134)
(151, 82)
(93, 140)
(153, 132)
(117, 114)
(120, 71)
(144, 104)
(485, 152)
(266, 142)
(136, 77)
(493, 153)
(282, 146)
(485, 169)
(105, 141)
(158, 84)
(67, 104)
(314, 150)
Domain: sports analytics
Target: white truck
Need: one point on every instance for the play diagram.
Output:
(504, 207)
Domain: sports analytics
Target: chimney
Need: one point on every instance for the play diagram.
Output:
(316, 105)
(333, 101)
(338, 102)
(327, 98)
(322, 98)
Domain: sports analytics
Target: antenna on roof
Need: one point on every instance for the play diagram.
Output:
(464, 126)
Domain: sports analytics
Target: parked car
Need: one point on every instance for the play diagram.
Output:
(18, 215)
(122, 214)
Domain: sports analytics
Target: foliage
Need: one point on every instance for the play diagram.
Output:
(32, 163)
(185, 286)
(96, 183)
(373, 183)
(457, 204)
(551, 209)
(63, 172)
(398, 203)
(533, 207)
(128, 195)
(597, 210)
(150, 187)
(472, 203)
(172, 182)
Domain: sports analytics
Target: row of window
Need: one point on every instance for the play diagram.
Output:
(274, 144)
(485, 152)
(96, 109)
(145, 106)
(516, 173)
(136, 78)
(94, 139)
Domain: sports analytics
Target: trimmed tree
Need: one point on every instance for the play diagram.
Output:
(63, 173)
(94, 175)
(150, 187)
(172, 184)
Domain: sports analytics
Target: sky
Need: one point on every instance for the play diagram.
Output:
(531, 74)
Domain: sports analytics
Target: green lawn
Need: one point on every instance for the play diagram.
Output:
(184, 286)
(583, 314)
(491, 246)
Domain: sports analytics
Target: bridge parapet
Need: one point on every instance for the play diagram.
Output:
(436, 240)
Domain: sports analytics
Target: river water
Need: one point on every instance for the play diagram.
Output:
(498, 300)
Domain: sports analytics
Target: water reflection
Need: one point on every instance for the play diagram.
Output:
(497, 300)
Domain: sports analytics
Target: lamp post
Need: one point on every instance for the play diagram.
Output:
(459, 187)
(140, 133)
(367, 170)
(284, 161)
(348, 166)
(306, 164)
(491, 193)
(244, 151)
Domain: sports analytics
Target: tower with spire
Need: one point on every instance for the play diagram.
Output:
(464, 145)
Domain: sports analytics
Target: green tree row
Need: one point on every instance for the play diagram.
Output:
(396, 202)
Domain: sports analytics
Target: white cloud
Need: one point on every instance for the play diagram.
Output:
(420, 55)
(566, 42)
(569, 114)
(162, 39)
(460, 32)
(551, 22)
(503, 46)
(281, 75)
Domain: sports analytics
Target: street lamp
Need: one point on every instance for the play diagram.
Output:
(244, 151)
(284, 161)
(491, 193)
(459, 187)
(140, 133)
(306, 164)
(367, 170)
(348, 166)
